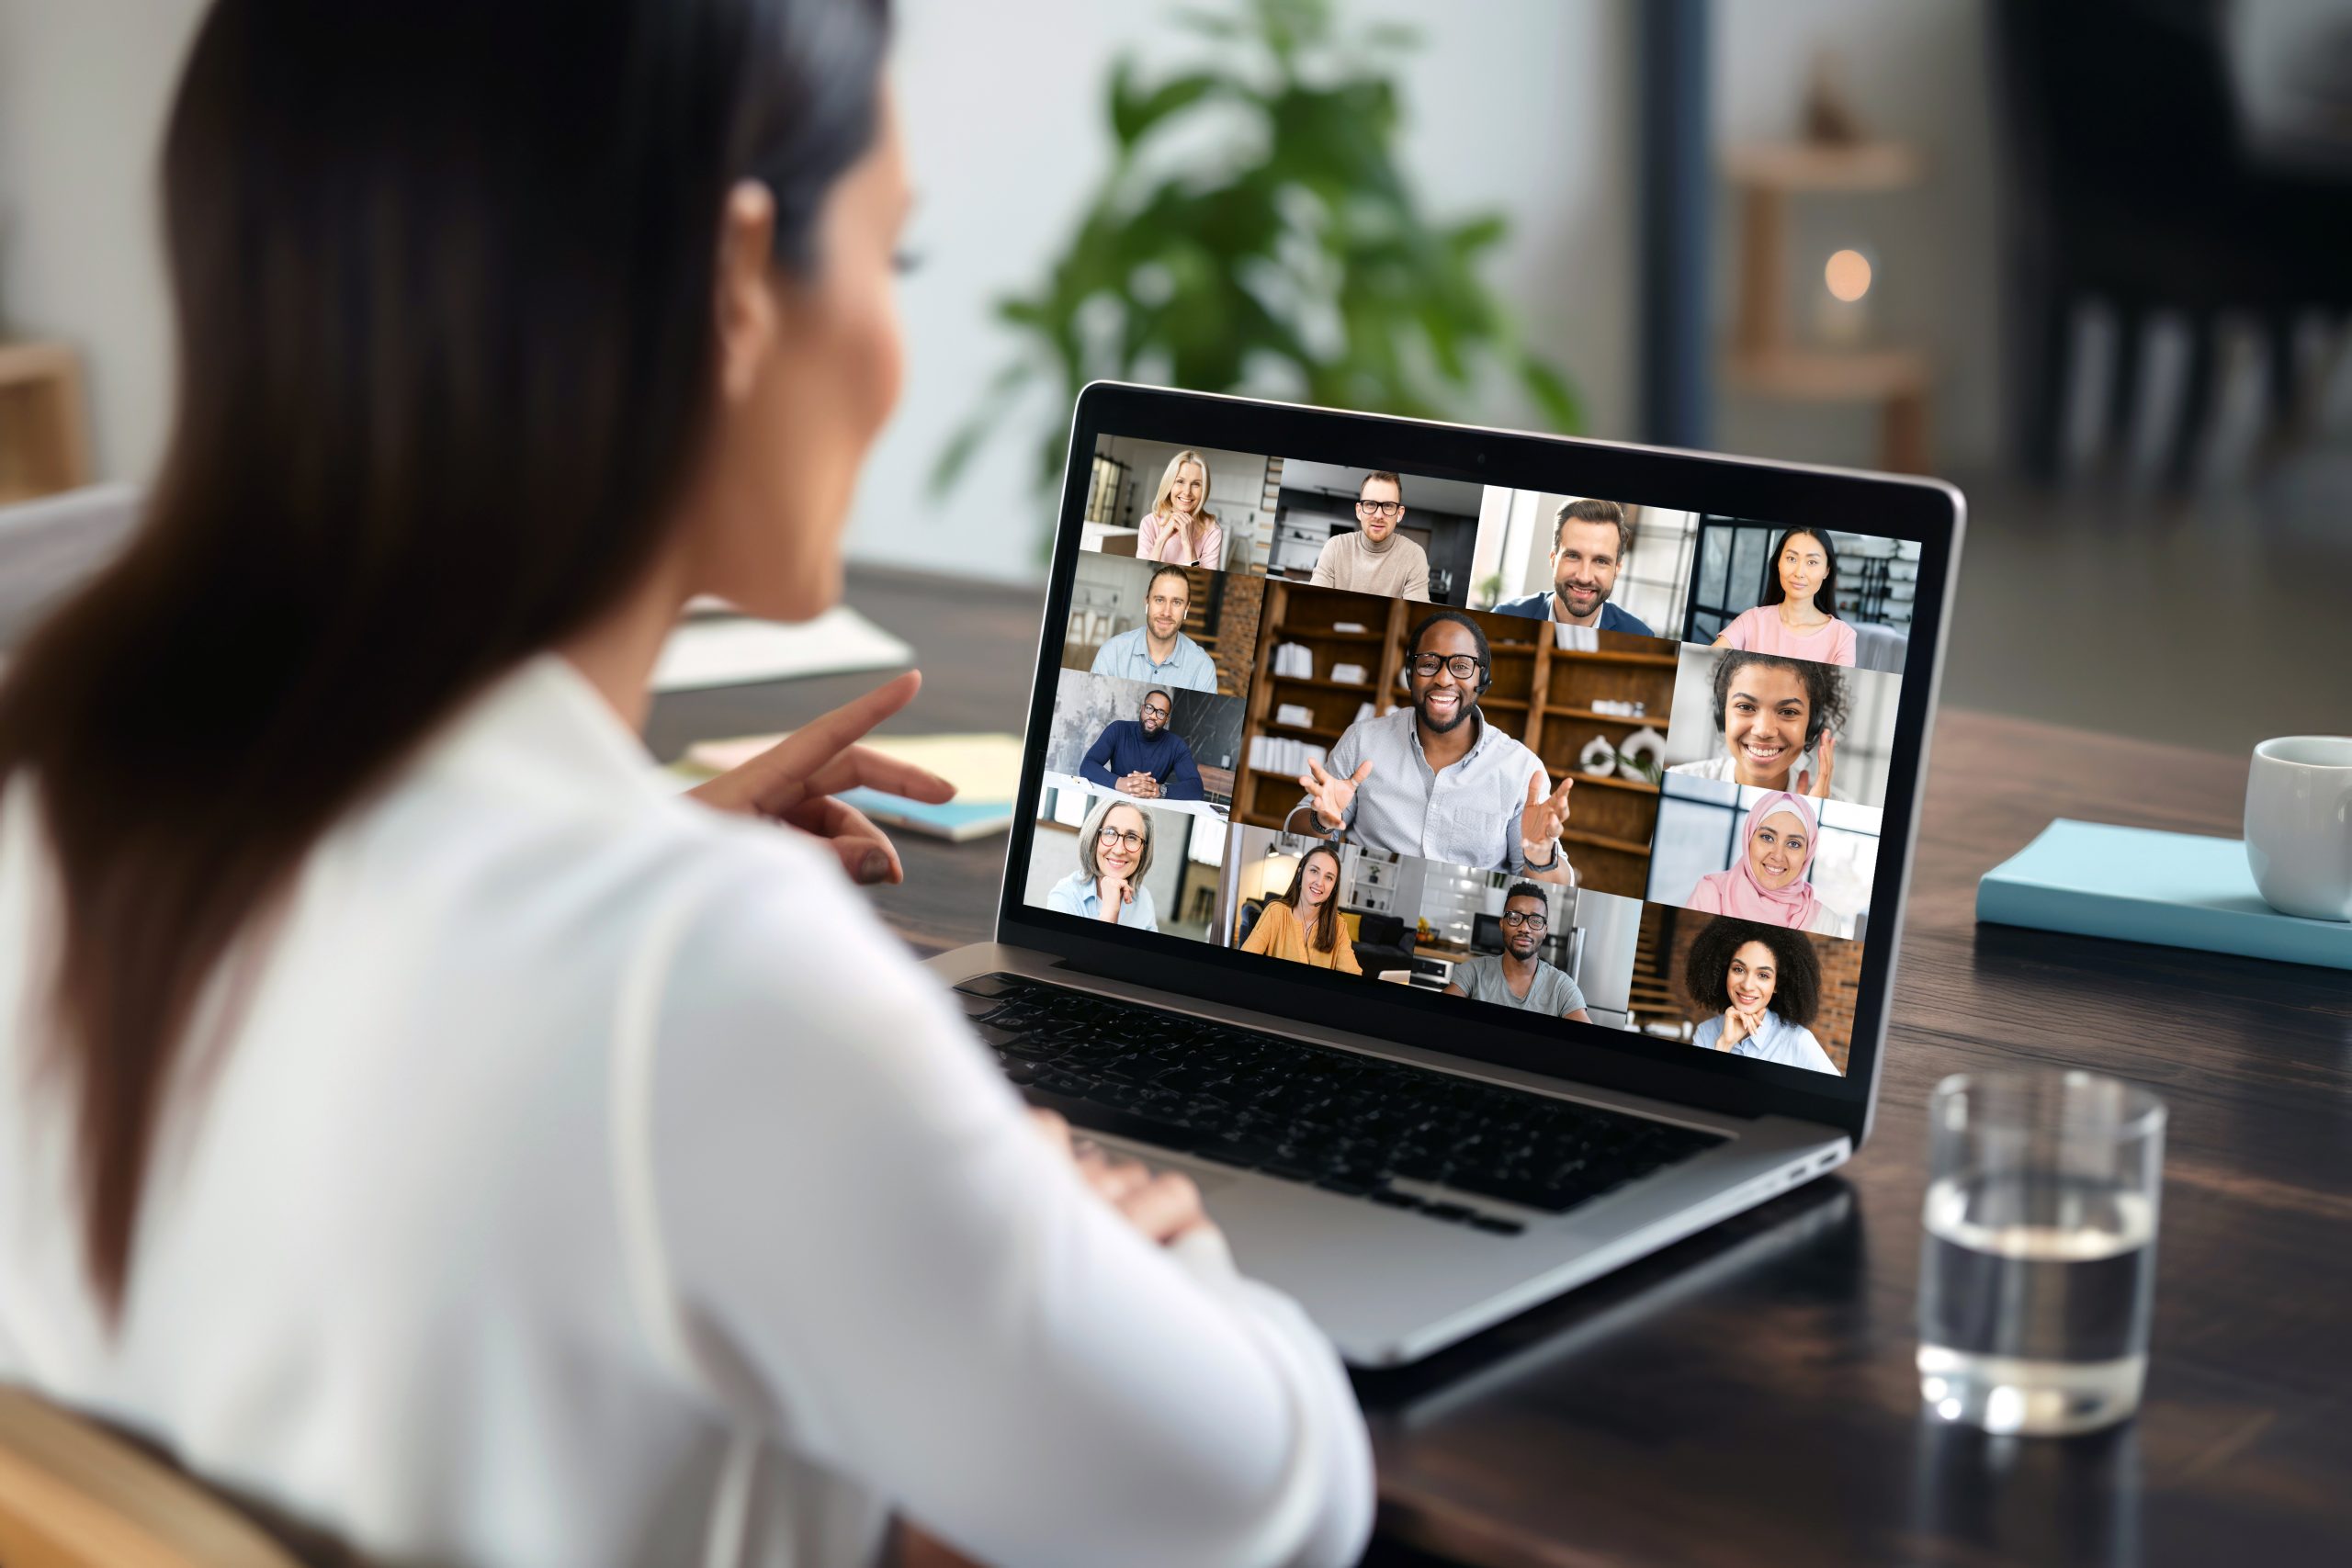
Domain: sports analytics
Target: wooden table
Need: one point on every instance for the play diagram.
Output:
(1748, 1396)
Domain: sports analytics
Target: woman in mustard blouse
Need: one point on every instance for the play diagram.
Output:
(1303, 924)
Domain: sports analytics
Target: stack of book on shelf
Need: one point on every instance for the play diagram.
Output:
(1275, 754)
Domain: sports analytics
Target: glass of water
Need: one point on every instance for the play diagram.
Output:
(2037, 1272)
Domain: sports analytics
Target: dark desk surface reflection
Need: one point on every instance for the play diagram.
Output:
(1748, 1396)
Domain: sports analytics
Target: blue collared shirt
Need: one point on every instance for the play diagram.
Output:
(1790, 1044)
(1128, 657)
(1123, 748)
(1076, 895)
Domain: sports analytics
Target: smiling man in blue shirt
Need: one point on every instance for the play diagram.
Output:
(1158, 650)
(1143, 757)
(1590, 540)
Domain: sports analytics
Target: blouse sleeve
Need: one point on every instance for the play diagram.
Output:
(1149, 539)
(1741, 633)
(1212, 547)
(913, 1290)
(1841, 646)
(1707, 896)
(1343, 958)
(1261, 940)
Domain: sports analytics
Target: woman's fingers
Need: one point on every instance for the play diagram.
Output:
(856, 766)
(1165, 1207)
(865, 850)
(777, 778)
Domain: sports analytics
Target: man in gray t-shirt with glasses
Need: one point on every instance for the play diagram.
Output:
(1515, 978)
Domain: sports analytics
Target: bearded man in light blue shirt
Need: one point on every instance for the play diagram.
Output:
(1158, 651)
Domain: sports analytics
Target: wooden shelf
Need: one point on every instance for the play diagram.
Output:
(1306, 729)
(1320, 684)
(1606, 656)
(1292, 634)
(1607, 781)
(1814, 167)
(1828, 375)
(1602, 842)
(1629, 721)
(1502, 702)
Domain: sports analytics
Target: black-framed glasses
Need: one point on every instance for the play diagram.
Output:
(1390, 509)
(1462, 666)
(1106, 837)
(1160, 708)
(1519, 919)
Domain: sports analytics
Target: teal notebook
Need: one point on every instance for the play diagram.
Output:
(2136, 885)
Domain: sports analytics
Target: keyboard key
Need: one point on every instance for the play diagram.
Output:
(1452, 1212)
(1497, 1223)
(994, 986)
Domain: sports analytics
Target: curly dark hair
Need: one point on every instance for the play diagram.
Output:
(1796, 988)
(1824, 689)
(1824, 597)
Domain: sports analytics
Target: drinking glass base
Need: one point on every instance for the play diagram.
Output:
(2004, 1395)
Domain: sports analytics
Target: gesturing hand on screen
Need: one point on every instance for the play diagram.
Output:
(1331, 796)
(794, 780)
(1817, 785)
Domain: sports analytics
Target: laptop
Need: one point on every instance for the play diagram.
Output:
(1476, 858)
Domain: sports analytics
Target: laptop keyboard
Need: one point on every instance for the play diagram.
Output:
(1349, 1124)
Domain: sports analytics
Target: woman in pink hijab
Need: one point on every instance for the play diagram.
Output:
(1179, 530)
(1768, 882)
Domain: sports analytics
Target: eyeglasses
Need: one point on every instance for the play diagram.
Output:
(1463, 667)
(1518, 920)
(1155, 709)
(1390, 509)
(1131, 838)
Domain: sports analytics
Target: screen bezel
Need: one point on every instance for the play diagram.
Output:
(1924, 510)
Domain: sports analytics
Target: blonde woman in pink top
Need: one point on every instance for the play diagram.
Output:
(1177, 531)
(1798, 617)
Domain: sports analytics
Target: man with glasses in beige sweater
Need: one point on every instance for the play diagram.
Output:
(1376, 558)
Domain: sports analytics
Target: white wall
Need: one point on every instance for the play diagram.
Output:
(1915, 71)
(83, 88)
(1520, 105)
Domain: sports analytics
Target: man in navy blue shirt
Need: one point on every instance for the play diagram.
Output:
(1590, 541)
(1143, 757)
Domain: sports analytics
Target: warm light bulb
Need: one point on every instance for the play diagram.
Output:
(1848, 274)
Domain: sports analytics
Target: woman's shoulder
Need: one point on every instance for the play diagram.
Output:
(1710, 1030)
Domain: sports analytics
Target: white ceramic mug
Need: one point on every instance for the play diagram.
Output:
(2299, 825)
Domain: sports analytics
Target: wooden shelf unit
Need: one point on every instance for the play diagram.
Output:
(1540, 692)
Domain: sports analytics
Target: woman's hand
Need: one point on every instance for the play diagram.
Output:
(1111, 896)
(1164, 1207)
(1819, 787)
(1738, 1026)
(794, 780)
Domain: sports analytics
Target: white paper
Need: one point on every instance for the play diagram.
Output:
(733, 652)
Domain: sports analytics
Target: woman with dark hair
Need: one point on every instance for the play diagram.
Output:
(1779, 719)
(1302, 923)
(1763, 983)
(1766, 880)
(1797, 617)
(421, 1119)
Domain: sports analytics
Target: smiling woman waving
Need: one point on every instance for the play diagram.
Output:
(424, 1120)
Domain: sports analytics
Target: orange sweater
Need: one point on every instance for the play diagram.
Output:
(1277, 934)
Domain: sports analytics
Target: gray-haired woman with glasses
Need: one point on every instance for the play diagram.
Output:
(1114, 852)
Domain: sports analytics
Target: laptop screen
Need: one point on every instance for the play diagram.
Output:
(1586, 760)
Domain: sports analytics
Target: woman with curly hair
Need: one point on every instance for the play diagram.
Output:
(1763, 983)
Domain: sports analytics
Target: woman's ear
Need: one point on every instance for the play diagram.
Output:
(745, 298)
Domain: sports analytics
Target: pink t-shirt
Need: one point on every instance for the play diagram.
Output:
(1163, 541)
(1759, 631)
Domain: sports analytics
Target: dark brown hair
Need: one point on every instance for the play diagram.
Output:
(443, 276)
(1796, 985)
(1594, 512)
(1824, 597)
(1824, 689)
(1327, 919)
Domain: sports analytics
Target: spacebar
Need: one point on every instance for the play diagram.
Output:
(1095, 1118)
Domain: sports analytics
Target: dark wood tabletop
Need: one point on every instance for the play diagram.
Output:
(1748, 1396)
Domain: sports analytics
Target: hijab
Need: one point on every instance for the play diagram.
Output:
(1795, 906)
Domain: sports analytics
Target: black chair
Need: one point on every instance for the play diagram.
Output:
(1381, 943)
(1251, 910)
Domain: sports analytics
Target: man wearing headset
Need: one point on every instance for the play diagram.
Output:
(1434, 779)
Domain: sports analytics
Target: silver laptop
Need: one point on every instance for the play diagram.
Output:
(1476, 858)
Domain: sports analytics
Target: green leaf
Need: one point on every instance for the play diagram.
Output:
(1133, 114)
(1552, 393)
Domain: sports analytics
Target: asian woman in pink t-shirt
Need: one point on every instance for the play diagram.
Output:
(1798, 617)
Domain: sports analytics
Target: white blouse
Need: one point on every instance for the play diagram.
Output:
(589, 1178)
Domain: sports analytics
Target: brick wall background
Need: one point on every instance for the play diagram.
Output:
(1242, 599)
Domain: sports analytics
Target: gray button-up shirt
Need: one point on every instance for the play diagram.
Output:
(1468, 815)
(1128, 655)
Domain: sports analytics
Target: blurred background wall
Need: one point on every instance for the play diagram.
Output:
(1526, 107)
